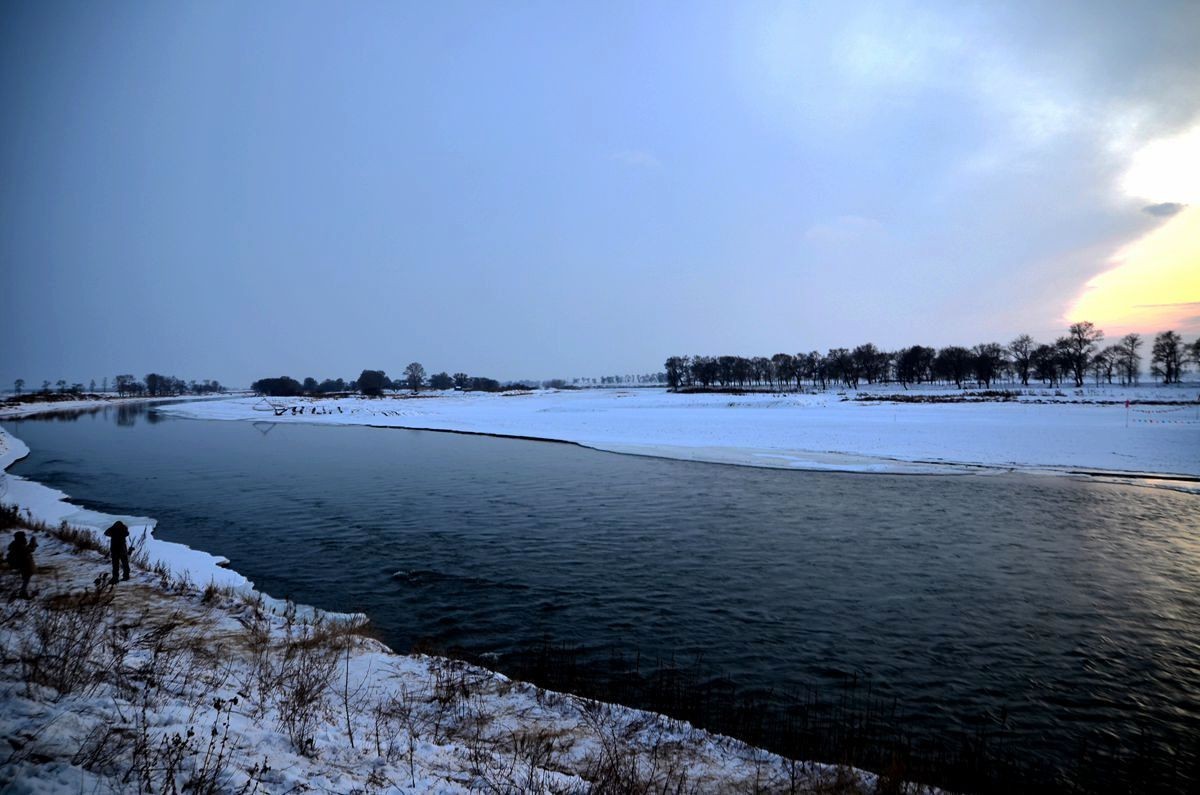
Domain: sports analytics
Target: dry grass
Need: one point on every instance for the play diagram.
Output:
(220, 660)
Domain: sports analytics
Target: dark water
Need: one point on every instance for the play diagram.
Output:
(1065, 611)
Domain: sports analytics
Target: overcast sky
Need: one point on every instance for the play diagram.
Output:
(233, 190)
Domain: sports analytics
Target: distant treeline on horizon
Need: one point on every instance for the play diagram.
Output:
(1074, 356)
(154, 385)
(374, 383)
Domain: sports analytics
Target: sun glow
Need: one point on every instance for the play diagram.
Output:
(1166, 170)
(1154, 283)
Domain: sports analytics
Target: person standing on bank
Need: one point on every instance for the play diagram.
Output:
(20, 557)
(118, 549)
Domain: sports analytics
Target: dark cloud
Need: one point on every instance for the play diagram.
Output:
(1164, 210)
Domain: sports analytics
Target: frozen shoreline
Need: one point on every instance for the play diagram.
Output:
(686, 427)
(1088, 430)
(51, 506)
(268, 700)
(514, 709)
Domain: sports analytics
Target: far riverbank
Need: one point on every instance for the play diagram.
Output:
(1100, 430)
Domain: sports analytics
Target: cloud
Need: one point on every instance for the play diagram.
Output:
(1164, 210)
(637, 158)
(1167, 170)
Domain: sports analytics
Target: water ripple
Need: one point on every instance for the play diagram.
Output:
(1070, 608)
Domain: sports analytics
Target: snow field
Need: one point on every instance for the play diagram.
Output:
(1088, 429)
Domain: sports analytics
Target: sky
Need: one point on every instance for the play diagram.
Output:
(536, 190)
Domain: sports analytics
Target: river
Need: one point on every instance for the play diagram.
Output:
(1057, 613)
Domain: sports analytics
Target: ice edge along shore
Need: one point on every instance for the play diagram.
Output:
(804, 432)
(712, 761)
(1096, 431)
(710, 428)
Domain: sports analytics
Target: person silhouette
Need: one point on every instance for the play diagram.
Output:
(20, 557)
(118, 549)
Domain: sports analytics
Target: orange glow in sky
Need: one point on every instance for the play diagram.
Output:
(1154, 286)
(1154, 283)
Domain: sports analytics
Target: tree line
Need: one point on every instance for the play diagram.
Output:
(1073, 357)
(630, 379)
(373, 383)
(127, 385)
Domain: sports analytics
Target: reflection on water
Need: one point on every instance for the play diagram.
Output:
(1057, 610)
(123, 414)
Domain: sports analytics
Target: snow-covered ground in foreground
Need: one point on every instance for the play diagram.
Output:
(110, 689)
(105, 689)
(1048, 430)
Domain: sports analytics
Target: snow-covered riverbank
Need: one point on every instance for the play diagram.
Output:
(1043, 430)
(31, 406)
(488, 740)
(165, 676)
(50, 506)
(160, 685)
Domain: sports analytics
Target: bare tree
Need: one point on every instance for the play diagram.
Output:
(1128, 358)
(1079, 345)
(989, 362)
(1044, 361)
(1021, 349)
(816, 368)
(914, 365)
(414, 376)
(954, 363)
(763, 369)
(1166, 357)
(1103, 364)
(18, 385)
(785, 368)
(677, 368)
(705, 370)
(841, 366)
(725, 369)
(871, 363)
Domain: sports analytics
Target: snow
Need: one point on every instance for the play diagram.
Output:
(484, 740)
(16, 410)
(469, 728)
(493, 733)
(1043, 430)
(43, 504)
(214, 673)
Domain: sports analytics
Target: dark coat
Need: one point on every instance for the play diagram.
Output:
(118, 535)
(20, 554)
